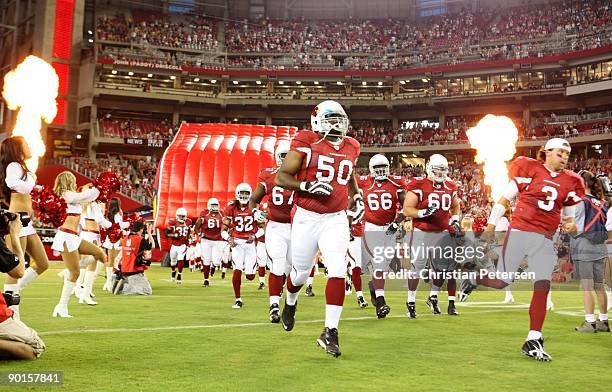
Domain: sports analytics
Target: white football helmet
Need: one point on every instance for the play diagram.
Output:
(213, 205)
(243, 193)
(437, 168)
(379, 167)
(329, 118)
(281, 150)
(181, 215)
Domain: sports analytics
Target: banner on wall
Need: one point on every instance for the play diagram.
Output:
(154, 143)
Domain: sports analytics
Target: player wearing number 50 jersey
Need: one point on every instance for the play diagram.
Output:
(319, 166)
(434, 207)
(544, 189)
(278, 228)
(238, 218)
(208, 226)
(381, 193)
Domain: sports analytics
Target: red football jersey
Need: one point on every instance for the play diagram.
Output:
(242, 221)
(357, 228)
(280, 200)
(542, 195)
(182, 229)
(431, 193)
(323, 161)
(381, 198)
(211, 225)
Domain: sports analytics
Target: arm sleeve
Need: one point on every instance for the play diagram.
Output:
(120, 222)
(579, 217)
(511, 191)
(100, 218)
(14, 174)
(90, 194)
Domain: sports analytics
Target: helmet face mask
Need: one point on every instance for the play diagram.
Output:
(213, 205)
(281, 152)
(181, 215)
(243, 193)
(437, 168)
(330, 120)
(379, 167)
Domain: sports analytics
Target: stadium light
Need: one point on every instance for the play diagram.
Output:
(316, 82)
(364, 83)
(258, 81)
(380, 83)
(79, 136)
(131, 73)
(89, 32)
(172, 77)
(213, 81)
(196, 79)
(235, 81)
(339, 83)
(281, 82)
(424, 80)
(298, 82)
(402, 82)
(114, 72)
(90, 40)
(149, 75)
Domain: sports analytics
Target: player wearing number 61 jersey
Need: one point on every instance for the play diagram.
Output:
(278, 228)
(208, 226)
(319, 166)
(239, 219)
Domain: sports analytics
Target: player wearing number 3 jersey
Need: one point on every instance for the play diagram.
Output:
(545, 190)
(319, 166)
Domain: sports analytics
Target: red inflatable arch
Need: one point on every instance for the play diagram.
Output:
(210, 160)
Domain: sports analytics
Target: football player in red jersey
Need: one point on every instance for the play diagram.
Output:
(355, 260)
(193, 251)
(319, 166)
(434, 207)
(239, 218)
(546, 191)
(382, 193)
(211, 245)
(178, 230)
(263, 260)
(278, 228)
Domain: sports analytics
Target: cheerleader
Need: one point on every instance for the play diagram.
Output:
(67, 240)
(115, 215)
(91, 221)
(16, 183)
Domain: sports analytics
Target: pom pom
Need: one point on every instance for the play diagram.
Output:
(114, 233)
(108, 183)
(49, 207)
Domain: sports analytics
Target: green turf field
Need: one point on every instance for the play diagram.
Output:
(189, 338)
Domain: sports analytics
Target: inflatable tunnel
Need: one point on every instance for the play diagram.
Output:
(210, 160)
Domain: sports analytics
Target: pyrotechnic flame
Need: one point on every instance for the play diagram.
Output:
(494, 139)
(31, 88)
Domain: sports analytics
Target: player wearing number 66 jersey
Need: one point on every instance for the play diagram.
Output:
(178, 230)
(544, 189)
(278, 228)
(239, 219)
(434, 207)
(381, 193)
(208, 226)
(319, 167)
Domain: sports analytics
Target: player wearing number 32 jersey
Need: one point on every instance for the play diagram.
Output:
(319, 166)
(547, 194)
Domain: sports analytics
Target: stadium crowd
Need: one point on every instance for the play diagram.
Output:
(133, 128)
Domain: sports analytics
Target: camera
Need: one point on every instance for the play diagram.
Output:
(8, 216)
(607, 185)
(11, 299)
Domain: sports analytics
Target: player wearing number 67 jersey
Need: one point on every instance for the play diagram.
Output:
(178, 230)
(381, 193)
(544, 189)
(278, 228)
(319, 166)
(434, 207)
(239, 219)
(208, 226)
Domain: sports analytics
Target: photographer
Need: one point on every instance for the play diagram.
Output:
(17, 340)
(134, 256)
(589, 252)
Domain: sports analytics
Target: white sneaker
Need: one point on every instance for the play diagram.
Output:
(61, 311)
(87, 300)
(237, 305)
(509, 300)
(550, 305)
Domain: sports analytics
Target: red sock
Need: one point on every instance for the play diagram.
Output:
(451, 287)
(250, 276)
(275, 285)
(334, 291)
(537, 310)
(206, 271)
(356, 278)
(294, 289)
(312, 271)
(261, 271)
(236, 277)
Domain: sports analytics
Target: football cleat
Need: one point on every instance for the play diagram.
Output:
(309, 292)
(467, 286)
(288, 316)
(237, 305)
(586, 327)
(329, 341)
(411, 310)
(382, 309)
(179, 282)
(261, 286)
(452, 310)
(362, 302)
(223, 275)
(602, 326)
(206, 283)
(432, 303)
(535, 349)
(274, 313)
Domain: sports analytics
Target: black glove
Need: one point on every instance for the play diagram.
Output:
(392, 228)
(317, 188)
(429, 211)
(8, 260)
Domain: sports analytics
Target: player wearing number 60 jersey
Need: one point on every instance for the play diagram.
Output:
(433, 205)
(381, 193)
(278, 228)
(319, 166)
(544, 190)
(208, 226)
(239, 219)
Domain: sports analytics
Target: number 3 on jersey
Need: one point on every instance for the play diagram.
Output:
(551, 196)
(326, 170)
(244, 224)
